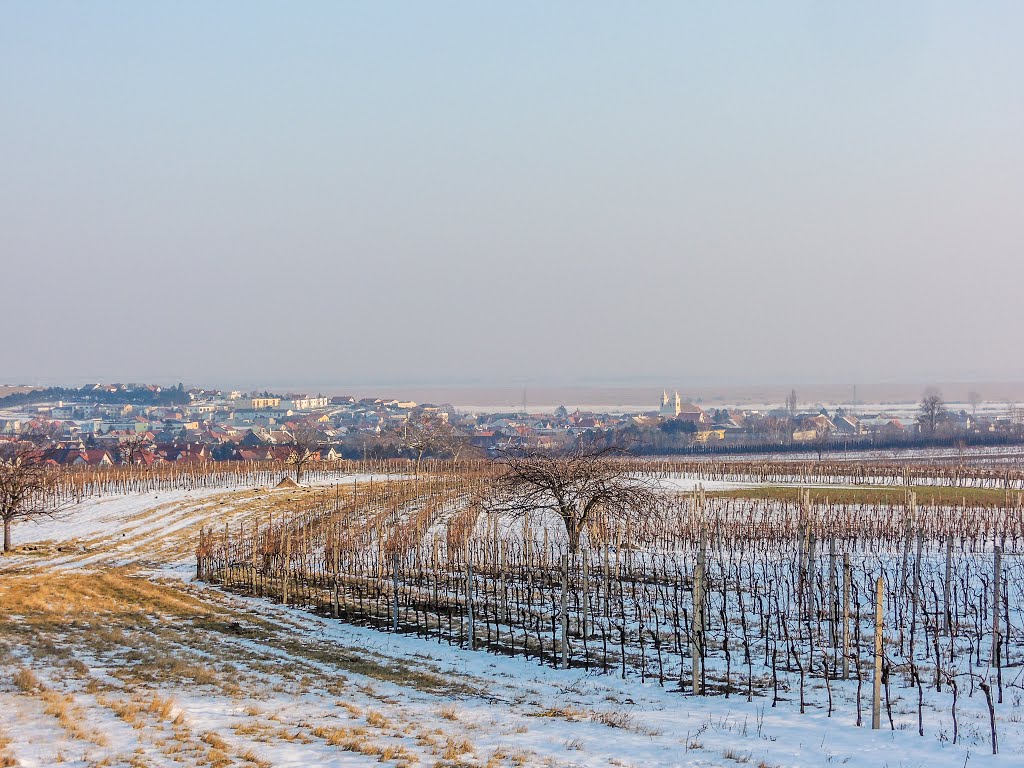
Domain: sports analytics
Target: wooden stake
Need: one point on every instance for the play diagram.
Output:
(697, 630)
(565, 611)
(876, 697)
(996, 595)
(846, 615)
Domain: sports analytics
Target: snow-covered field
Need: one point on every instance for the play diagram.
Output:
(117, 658)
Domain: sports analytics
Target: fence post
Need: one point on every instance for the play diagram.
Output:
(565, 610)
(996, 595)
(199, 551)
(227, 556)
(285, 565)
(832, 590)
(469, 600)
(876, 696)
(947, 587)
(584, 595)
(846, 615)
(697, 641)
(604, 586)
(394, 592)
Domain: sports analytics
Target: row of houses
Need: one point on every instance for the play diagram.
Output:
(214, 426)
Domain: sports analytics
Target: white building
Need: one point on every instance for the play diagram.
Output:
(670, 408)
(305, 403)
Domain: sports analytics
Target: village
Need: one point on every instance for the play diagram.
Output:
(146, 424)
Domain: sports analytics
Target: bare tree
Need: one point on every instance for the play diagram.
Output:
(974, 399)
(432, 435)
(777, 430)
(130, 448)
(573, 485)
(791, 403)
(931, 410)
(822, 436)
(25, 488)
(306, 441)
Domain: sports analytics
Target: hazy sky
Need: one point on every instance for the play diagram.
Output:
(230, 193)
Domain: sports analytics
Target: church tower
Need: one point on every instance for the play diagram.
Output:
(670, 408)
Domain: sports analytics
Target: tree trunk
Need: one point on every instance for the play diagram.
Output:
(573, 530)
(7, 534)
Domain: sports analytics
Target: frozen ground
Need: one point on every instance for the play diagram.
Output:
(117, 658)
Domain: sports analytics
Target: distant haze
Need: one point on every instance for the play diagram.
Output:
(553, 194)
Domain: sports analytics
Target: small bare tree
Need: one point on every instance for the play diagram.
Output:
(931, 410)
(974, 400)
(130, 448)
(822, 436)
(573, 485)
(25, 488)
(432, 436)
(306, 441)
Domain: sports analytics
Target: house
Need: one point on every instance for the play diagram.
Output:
(191, 453)
(76, 457)
(693, 414)
(847, 425)
(709, 435)
(330, 453)
(814, 427)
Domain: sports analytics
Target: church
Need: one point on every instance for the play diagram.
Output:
(669, 408)
(675, 408)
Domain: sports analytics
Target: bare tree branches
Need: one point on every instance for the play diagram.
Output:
(432, 435)
(306, 441)
(25, 488)
(932, 410)
(573, 485)
(131, 448)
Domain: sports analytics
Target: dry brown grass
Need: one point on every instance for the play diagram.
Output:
(25, 680)
(58, 705)
(357, 740)
(352, 709)
(214, 739)
(49, 599)
(251, 758)
(377, 720)
(7, 759)
(456, 748)
(566, 713)
(449, 712)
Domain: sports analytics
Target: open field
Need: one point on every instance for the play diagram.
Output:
(117, 657)
(872, 495)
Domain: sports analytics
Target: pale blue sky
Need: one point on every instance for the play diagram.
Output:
(551, 192)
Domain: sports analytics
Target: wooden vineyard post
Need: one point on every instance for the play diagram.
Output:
(394, 592)
(876, 696)
(336, 590)
(696, 644)
(832, 590)
(199, 554)
(564, 607)
(947, 587)
(996, 594)
(469, 601)
(846, 616)
(285, 564)
(226, 580)
(584, 593)
(604, 586)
